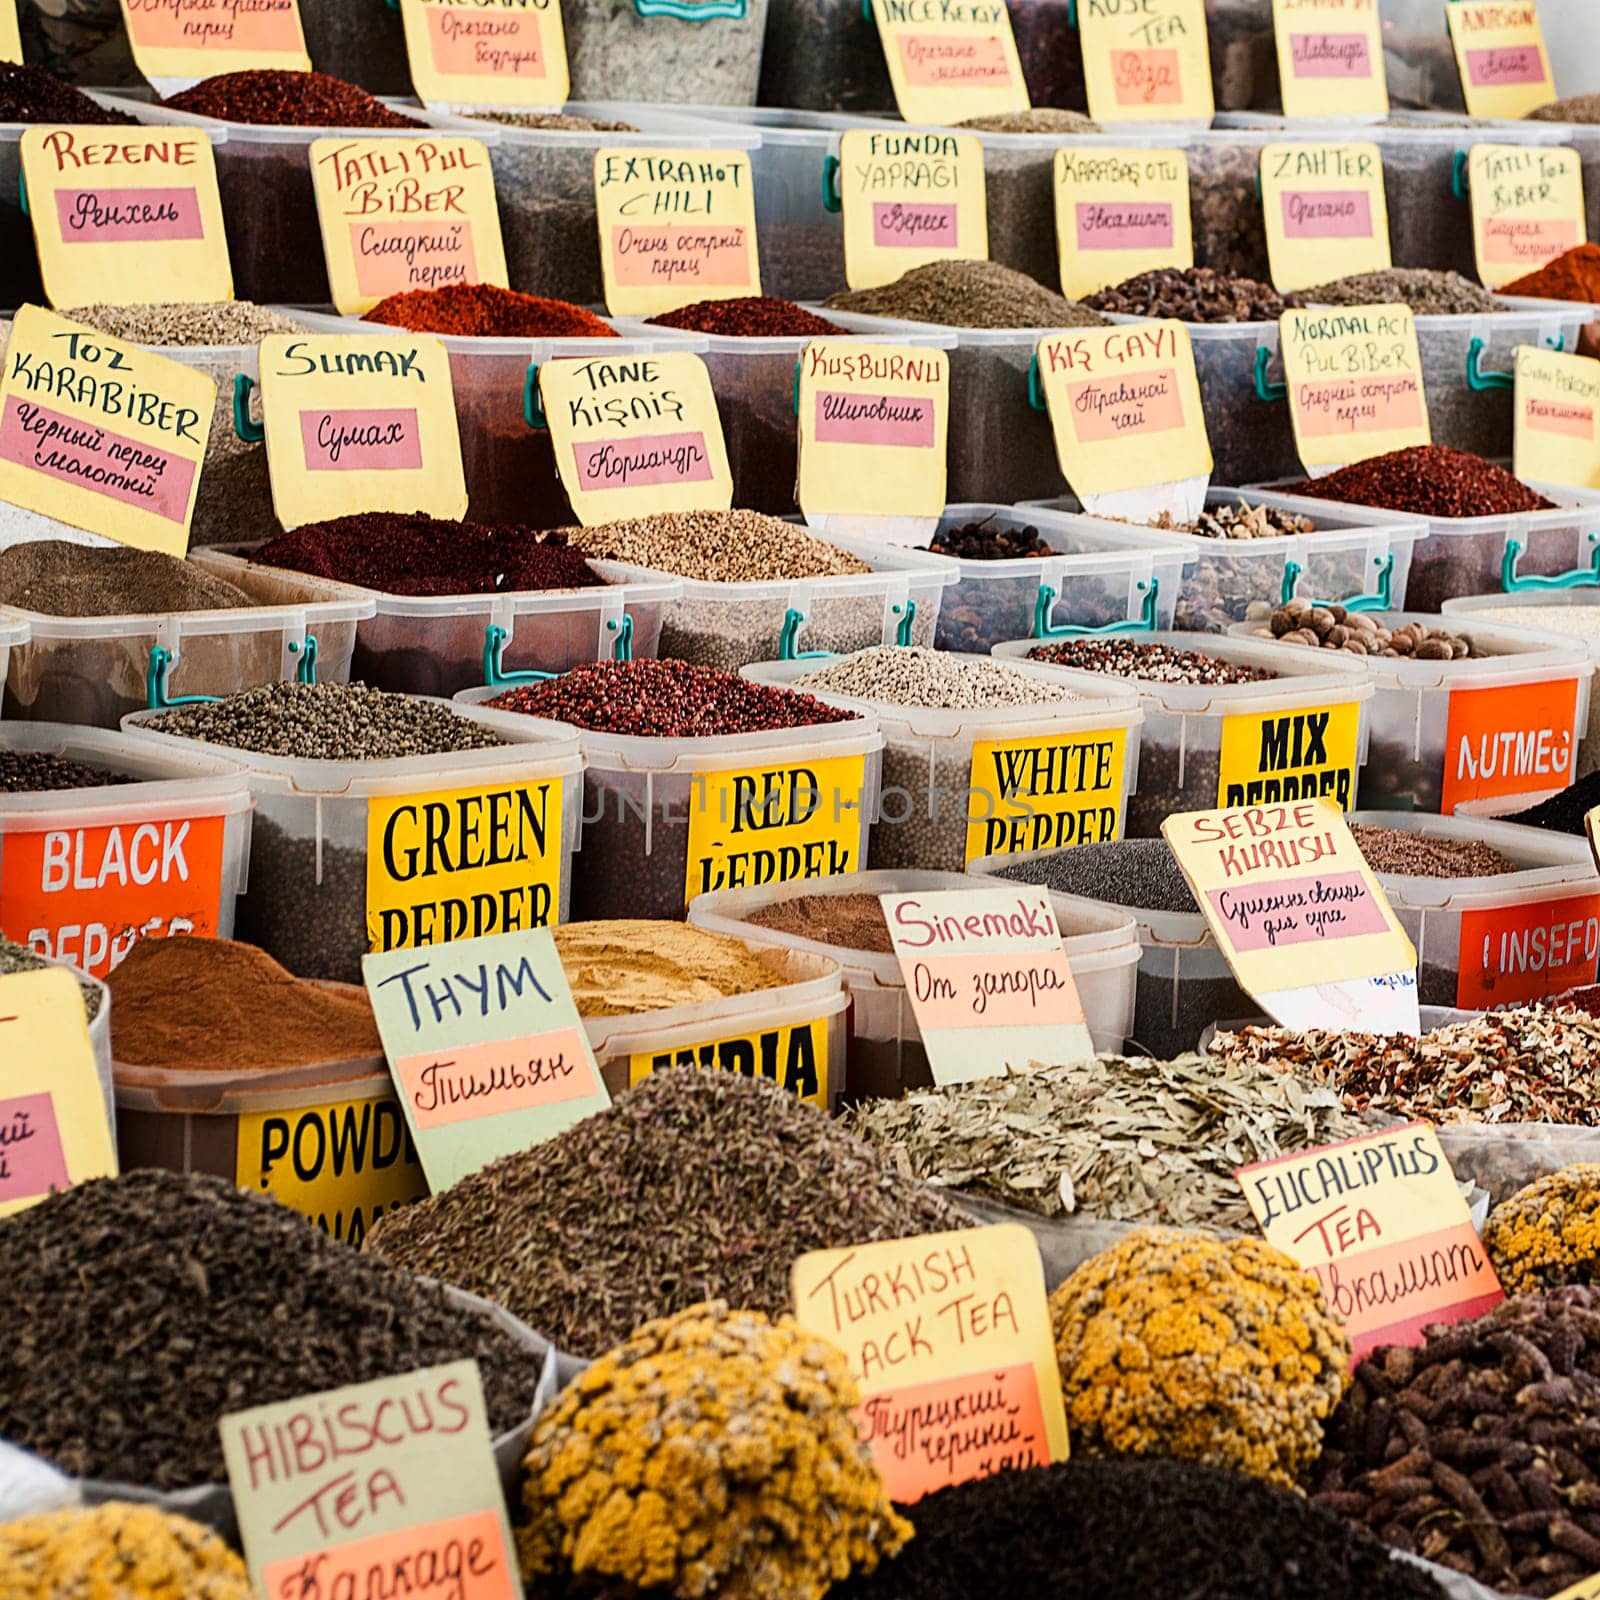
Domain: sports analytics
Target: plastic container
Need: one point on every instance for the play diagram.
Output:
(1296, 736)
(361, 41)
(14, 633)
(886, 1055)
(657, 50)
(962, 784)
(1500, 730)
(667, 819)
(314, 893)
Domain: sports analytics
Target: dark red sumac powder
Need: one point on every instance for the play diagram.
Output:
(483, 310)
(1430, 480)
(422, 555)
(269, 98)
(753, 316)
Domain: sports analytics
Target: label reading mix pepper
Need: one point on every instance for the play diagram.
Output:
(1273, 757)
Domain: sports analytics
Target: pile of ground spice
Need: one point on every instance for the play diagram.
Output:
(30, 94)
(482, 310)
(1429, 480)
(1404, 854)
(624, 968)
(1579, 108)
(755, 316)
(415, 554)
(62, 579)
(1574, 275)
(1037, 119)
(850, 921)
(187, 322)
(1428, 293)
(217, 1005)
(967, 294)
(274, 99)
(553, 122)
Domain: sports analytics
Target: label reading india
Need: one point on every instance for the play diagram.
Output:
(1514, 740)
(132, 218)
(1270, 757)
(793, 1055)
(1325, 212)
(1330, 58)
(1120, 213)
(676, 226)
(181, 41)
(1527, 950)
(1556, 432)
(1500, 56)
(1527, 208)
(487, 52)
(1046, 794)
(908, 199)
(950, 59)
(1146, 61)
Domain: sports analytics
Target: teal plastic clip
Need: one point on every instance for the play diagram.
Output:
(796, 399)
(155, 684)
(1036, 397)
(1266, 389)
(1579, 578)
(1480, 380)
(1072, 13)
(1381, 598)
(1044, 606)
(907, 614)
(244, 424)
(789, 637)
(832, 197)
(622, 648)
(689, 11)
(495, 675)
(532, 406)
(22, 192)
(305, 669)
(1459, 186)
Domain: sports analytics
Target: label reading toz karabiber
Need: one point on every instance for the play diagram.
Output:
(1271, 758)
(794, 1056)
(1046, 794)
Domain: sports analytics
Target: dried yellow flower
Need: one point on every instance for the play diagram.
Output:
(711, 1454)
(1548, 1234)
(1180, 1344)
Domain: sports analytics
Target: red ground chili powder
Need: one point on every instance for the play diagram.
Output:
(755, 316)
(1573, 276)
(288, 100)
(483, 310)
(1430, 480)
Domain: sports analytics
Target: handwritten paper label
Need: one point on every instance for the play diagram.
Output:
(1556, 428)
(1527, 208)
(487, 52)
(1500, 55)
(1120, 212)
(1355, 382)
(1269, 757)
(178, 42)
(676, 226)
(793, 1055)
(1147, 62)
(636, 434)
(54, 1129)
(10, 34)
(392, 1476)
(1380, 1221)
(1588, 1589)
(402, 214)
(124, 219)
(1044, 793)
(988, 980)
(357, 423)
(1330, 58)
(1527, 950)
(909, 198)
(948, 1337)
(100, 434)
(1515, 740)
(950, 59)
(1325, 212)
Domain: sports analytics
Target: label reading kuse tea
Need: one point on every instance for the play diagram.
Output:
(100, 434)
(1268, 757)
(1500, 55)
(1146, 60)
(793, 1055)
(948, 1338)
(1325, 212)
(676, 227)
(178, 42)
(1046, 793)
(1556, 427)
(1527, 208)
(1517, 739)
(950, 59)
(404, 214)
(634, 435)
(486, 52)
(1330, 58)
(1120, 213)
(126, 215)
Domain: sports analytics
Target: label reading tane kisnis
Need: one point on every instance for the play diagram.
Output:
(793, 1055)
(1501, 57)
(950, 59)
(1046, 794)
(1120, 213)
(487, 52)
(1325, 212)
(1556, 428)
(1527, 208)
(1146, 60)
(178, 42)
(1330, 58)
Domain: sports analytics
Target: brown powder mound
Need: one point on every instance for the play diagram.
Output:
(851, 921)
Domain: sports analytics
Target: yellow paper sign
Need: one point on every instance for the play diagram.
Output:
(1124, 406)
(182, 41)
(908, 199)
(676, 227)
(873, 424)
(1268, 757)
(54, 1130)
(1325, 212)
(1527, 208)
(1500, 55)
(1330, 58)
(793, 1055)
(1148, 62)
(402, 214)
(1380, 1221)
(126, 216)
(1588, 1589)
(950, 59)
(1046, 793)
(360, 424)
(487, 53)
(1557, 426)
(102, 435)
(1120, 213)
(1355, 382)
(948, 1337)
(636, 434)
(10, 35)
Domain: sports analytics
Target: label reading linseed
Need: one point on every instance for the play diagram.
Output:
(1526, 951)
(1046, 794)
(793, 1056)
(1273, 758)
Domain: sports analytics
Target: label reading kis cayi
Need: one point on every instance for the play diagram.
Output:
(1270, 757)
(676, 226)
(909, 198)
(1526, 951)
(1556, 426)
(1146, 60)
(987, 979)
(1527, 208)
(131, 218)
(950, 59)
(1330, 58)
(793, 1055)
(403, 214)
(337, 1491)
(636, 434)
(948, 1338)
(1044, 793)
(486, 1048)
(1500, 56)
(99, 434)
(1380, 1221)
(873, 427)
(360, 424)
(1325, 212)
(1514, 740)
(1355, 382)
(487, 52)
(177, 42)
(1120, 213)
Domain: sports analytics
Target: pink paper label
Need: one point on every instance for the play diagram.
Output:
(32, 1161)
(124, 216)
(708, 255)
(394, 256)
(361, 440)
(1556, 416)
(954, 61)
(486, 1080)
(1376, 404)
(643, 463)
(1327, 214)
(913, 225)
(1013, 989)
(1124, 225)
(1528, 242)
(93, 458)
(1330, 55)
(259, 27)
(892, 419)
(1521, 63)
(1290, 911)
(497, 44)
(1114, 408)
(1147, 77)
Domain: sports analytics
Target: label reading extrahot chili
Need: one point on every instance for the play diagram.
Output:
(486, 52)
(1270, 758)
(1500, 55)
(1146, 61)
(1557, 418)
(177, 42)
(1325, 210)
(794, 1056)
(1120, 213)
(950, 59)
(1524, 951)
(1330, 58)
(1527, 208)
(1046, 794)
(1514, 740)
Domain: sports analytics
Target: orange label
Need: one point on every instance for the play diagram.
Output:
(1526, 242)
(1524, 952)
(945, 61)
(1514, 740)
(268, 28)
(1337, 407)
(487, 1080)
(85, 895)
(470, 1549)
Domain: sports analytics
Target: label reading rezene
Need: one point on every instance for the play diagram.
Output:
(793, 1055)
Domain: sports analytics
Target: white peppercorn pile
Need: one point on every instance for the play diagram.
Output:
(716, 547)
(187, 322)
(932, 680)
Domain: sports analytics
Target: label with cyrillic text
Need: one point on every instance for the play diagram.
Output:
(950, 59)
(1120, 212)
(1330, 58)
(1325, 211)
(178, 42)
(1527, 208)
(1501, 57)
(487, 52)
(1556, 418)
(1147, 62)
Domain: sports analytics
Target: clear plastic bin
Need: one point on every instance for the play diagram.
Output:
(886, 1056)
(1422, 759)
(1504, 1157)
(645, 50)
(824, 57)
(1181, 761)
(361, 41)
(1419, 61)
(942, 776)
(653, 811)
(14, 632)
(307, 900)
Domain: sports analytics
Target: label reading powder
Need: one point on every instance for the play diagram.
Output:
(1527, 208)
(1515, 740)
(178, 42)
(794, 1056)
(1556, 427)
(1268, 758)
(1500, 55)
(1325, 212)
(1046, 794)
(487, 53)
(1120, 213)
(1330, 58)
(950, 59)
(1146, 61)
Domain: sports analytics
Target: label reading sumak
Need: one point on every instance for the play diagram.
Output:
(1501, 57)
(1269, 758)
(1325, 212)
(1527, 951)
(1527, 208)
(1120, 213)
(794, 1056)
(1330, 58)
(1046, 794)
(486, 52)
(1146, 60)
(1515, 740)
(1556, 429)
(179, 41)
(950, 59)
